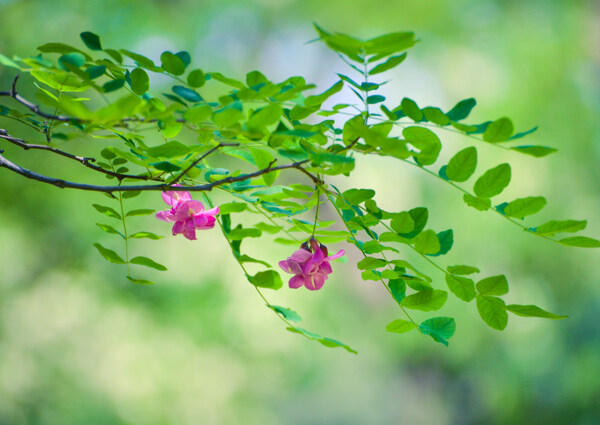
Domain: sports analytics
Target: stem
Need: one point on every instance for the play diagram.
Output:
(516, 223)
(268, 304)
(124, 231)
(317, 212)
(365, 255)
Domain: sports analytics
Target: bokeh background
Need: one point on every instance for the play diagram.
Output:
(79, 344)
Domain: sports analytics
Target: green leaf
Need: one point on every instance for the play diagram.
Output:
(429, 300)
(532, 311)
(141, 60)
(239, 234)
(170, 149)
(389, 64)
(388, 44)
(368, 263)
(398, 289)
(145, 235)
(537, 151)
(560, 226)
(140, 281)
(109, 255)
(446, 239)
(462, 287)
(436, 116)
(264, 117)
(113, 85)
(140, 82)
(461, 110)
(375, 98)
(107, 211)
(462, 270)
(91, 40)
(131, 193)
(145, 261)
(197, 113)
(493, 311)
(419, 216)
(232, 207)
(400, 326)
(494, 285)
(94, 72)
(187, 94)
(426, 141)
(481, 204)
(493, 181)
(411, 110)
(522, 207)
(247, 259)
(327, 342)
(581, 241)
(267, 279)
(499, 131)
(107, 154)
(196, 78)
(427, 242)
(286, 313)
(317, 100)
(172, 63)
(9, 62)
(61, 48)
(143, 211)
(462, 165)
(71, 60)
(109, 229)
(357, 196)
(441, 329)
(402, 222)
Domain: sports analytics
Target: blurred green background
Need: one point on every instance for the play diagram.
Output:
(79, 344)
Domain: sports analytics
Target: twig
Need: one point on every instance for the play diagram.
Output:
(5, 163)
(197, 161)
(86, 161)
(30, 105)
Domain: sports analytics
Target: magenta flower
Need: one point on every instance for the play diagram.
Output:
(309, 265)
(188, 215)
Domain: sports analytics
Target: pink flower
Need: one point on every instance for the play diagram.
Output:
(187, 214)
(309, 265)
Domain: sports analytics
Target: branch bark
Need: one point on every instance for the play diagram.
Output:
(63, 184)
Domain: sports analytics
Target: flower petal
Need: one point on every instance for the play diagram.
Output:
(339, 254)
(296, 282)
(178, 227)
(325, 268)
(165, 216)
(318, 281)
(301, 256)
(190, 234)
(212, 212)
(285, 266)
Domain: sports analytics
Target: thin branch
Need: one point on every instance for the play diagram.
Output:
(30, 105)
(5, 163)
(86, 161)
(196, 162)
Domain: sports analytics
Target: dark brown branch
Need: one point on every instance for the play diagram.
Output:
(83, 160)
(350, 146)
(36, 109)
(193, 164)
(30, 105)
(5, 163)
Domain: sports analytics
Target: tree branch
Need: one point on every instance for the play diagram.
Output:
(5, 163)
(30, 105)
(86, 161)
(193, 164)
